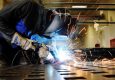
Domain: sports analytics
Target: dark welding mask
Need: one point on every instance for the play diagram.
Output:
(57, 22)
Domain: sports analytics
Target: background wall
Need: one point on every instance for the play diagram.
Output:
(1, 4)
(90, 39)
(105, 33)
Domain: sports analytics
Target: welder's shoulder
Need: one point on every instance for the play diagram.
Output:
(30, 1)
(18, 3)
(23, 2)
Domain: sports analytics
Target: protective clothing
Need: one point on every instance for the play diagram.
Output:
(25, 43)
(43, 52)
(32, 13)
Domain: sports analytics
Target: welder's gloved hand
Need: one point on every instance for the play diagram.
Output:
(35, 37)
(39, 39)
(43, 51)
(24, 43)
(43, 54)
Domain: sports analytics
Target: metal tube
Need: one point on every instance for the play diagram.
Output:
(79, 3)
(83, 9)
(96, 22)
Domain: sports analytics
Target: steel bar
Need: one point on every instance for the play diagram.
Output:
(79, 3)
(83, 9)
(96, 22)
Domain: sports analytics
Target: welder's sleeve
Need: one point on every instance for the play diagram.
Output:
(5, 31)
(10, 15)
(24, 43)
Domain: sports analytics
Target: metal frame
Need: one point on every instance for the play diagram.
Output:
(83, 9)
(96, 22)
(79, 3)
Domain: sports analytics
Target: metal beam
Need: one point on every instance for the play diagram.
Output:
(96, 22)
(79, 3)
(83, 9)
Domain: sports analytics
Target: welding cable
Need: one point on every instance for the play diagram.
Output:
(23, 53)
(27, 57)
(68, 32)
(85, 55)
(110, 53)
(24, 56)
(33, 57)
(15, 57)
(65, 15)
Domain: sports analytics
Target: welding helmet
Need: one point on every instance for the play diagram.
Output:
(57, 20)
(46, 22)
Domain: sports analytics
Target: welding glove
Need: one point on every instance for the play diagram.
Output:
(24, 43)
(39, 39)
(43, 52)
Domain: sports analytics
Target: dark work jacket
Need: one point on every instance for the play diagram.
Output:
(33, 14)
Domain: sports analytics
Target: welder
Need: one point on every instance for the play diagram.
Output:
(12, 37)
(23, 22)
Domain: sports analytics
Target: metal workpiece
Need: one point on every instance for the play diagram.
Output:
(86, 71)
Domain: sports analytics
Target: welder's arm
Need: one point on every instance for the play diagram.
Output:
(10, 14)
(24, 43)
(5, 31)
